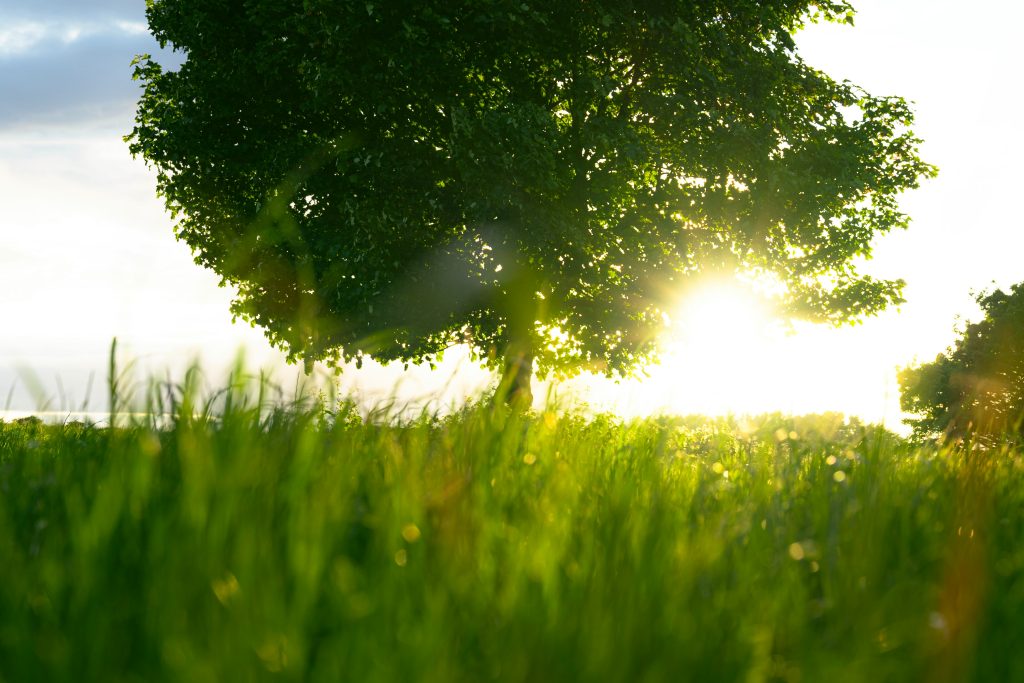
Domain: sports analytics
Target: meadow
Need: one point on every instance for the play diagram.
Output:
(229, 541)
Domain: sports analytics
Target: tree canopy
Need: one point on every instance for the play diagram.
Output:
(977, 386)
(536, 180)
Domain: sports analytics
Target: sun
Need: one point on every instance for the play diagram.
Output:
(720, 317)
(728, 350)
(715, 348)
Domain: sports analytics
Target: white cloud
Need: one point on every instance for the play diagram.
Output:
(132, 27)
(21, 38)
(73, 73)
(71, 34)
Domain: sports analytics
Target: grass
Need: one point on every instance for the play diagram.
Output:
(241, 544)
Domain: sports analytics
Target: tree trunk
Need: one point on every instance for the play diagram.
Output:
(517, 377)
(519, 305)
(518, 371)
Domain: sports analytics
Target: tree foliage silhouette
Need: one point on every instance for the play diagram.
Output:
(388, 179)
(977, 386)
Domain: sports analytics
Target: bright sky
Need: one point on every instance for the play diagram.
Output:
(87, 252)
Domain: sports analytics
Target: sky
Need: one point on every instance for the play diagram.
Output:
(87, 252)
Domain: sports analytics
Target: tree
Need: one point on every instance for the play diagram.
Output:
(977, 386)
(536, 180)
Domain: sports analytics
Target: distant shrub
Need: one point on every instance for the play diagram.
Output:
(976, 387)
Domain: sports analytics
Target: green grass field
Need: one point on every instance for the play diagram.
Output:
(243, 545)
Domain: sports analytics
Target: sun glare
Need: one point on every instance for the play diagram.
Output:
(728, 352)
(714, 349)
(719, 319)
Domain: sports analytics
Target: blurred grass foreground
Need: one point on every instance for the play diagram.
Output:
(309, 543)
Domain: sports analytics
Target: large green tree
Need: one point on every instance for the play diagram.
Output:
(977, 386)
(386, 179)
